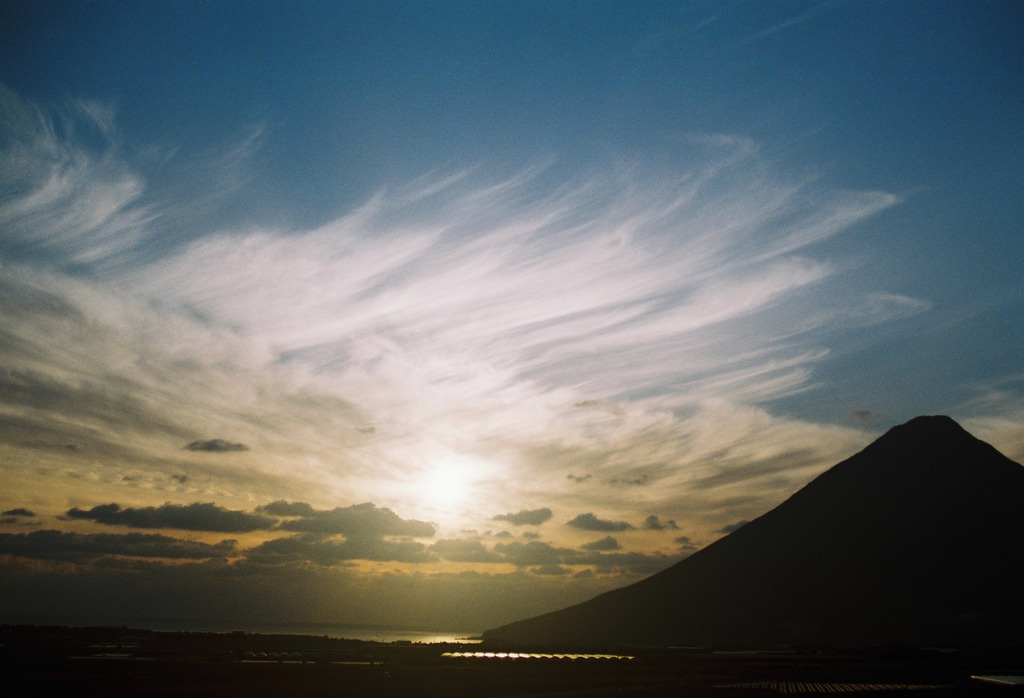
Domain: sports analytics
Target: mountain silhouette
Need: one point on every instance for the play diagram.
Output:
(916, 540)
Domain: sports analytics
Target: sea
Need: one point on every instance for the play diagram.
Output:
(371, 633)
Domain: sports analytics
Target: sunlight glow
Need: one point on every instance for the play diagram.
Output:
(447, 481)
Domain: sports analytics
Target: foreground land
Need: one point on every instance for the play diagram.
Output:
(128, 662)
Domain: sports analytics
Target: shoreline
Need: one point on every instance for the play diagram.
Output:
(126, 661)
(341, 631)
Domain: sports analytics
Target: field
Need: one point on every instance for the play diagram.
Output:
(126, 662)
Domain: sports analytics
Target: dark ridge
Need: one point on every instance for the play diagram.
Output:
(916, 540)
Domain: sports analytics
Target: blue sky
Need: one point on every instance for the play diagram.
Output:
(348, 281)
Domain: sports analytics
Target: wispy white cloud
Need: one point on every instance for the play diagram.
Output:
(99, 115)
(876, 308)
(440, 338)
(72, 203)
(793, 21)
(513, 280)
(995, 414)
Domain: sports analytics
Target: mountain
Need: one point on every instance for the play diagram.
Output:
(917, 540)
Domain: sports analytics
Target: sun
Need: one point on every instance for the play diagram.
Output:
(447, 483)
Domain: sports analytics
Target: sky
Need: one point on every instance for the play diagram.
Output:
(446, 314)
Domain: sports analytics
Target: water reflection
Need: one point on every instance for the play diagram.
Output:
(532, 655)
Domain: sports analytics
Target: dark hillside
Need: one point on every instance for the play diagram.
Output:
(918, 539)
